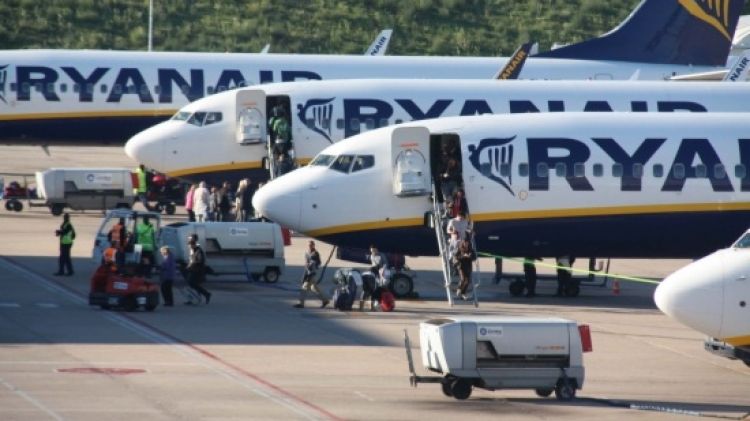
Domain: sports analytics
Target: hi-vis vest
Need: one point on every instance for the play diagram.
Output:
(67, 238)
(116, 230)
(145, 236)
(109, 257)
(141, 180)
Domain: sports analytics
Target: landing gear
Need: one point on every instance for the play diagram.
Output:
(401, 285)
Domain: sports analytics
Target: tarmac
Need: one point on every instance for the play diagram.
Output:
(250, 355)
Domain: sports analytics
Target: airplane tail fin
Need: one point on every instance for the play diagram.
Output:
(697, 32)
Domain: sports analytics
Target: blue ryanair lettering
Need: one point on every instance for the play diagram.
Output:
(689, 150)
(744, 145)
(630, 181)
(357, 111)
(131, 82)
(475, 107)
(436, 109)
(292, 75)
(85, 94)
(192, 91)
(40, 76)
(229, 79)
(539, 153)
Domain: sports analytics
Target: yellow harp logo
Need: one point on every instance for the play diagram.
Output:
(713, 12)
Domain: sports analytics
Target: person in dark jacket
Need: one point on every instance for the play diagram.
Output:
(196, 268)
(529, 272)
(167, 275)
(67, 234)
(464, 258)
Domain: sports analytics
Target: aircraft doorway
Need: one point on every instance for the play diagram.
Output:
(280, 145)
(445, 161)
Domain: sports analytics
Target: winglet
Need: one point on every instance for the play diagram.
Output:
(380, 45)
(740, 68)
(515, 63)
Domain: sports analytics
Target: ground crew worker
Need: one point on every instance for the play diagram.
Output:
(312, 263)
(110, 256)
(141, 191)
(67, 234)
(146, 237)
(119, 235)
(564, 275)
(529, 272)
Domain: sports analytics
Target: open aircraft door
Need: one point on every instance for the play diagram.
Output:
(251, 116)
(410, 158)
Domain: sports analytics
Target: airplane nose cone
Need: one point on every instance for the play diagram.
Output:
(280, 201)
(145, 148)
(694, 295)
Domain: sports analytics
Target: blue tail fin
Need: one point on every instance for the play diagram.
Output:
(697, 32)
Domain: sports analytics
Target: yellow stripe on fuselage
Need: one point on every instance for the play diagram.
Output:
(91, 114)
(540, 214)
(234, 166)
(738, 340)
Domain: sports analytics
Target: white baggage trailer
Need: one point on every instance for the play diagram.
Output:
(85, 188)
(544, 354)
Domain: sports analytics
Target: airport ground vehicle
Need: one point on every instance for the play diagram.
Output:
(15, 192)
(400, 277)
(251, 249)
(110, 289)
(85, 188)
(544, 354)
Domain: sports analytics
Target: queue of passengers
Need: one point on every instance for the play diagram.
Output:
(220, 203)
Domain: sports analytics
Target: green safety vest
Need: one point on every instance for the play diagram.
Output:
(67, 238)
(145, 235)
(141, 180)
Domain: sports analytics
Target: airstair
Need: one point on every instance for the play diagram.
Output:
(439, 222)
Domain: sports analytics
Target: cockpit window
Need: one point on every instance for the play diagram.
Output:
(322, 160)
(212, 117)
(362, 162)
(744, 242)
(197, 118)
(181, 116)
(342, 163)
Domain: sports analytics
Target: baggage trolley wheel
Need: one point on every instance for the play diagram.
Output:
(56, 209)
(573, 290)
(170, 209)
(401, 285)
(565, 389)
(17, 205)
(445, 386)
(544, 392)
(150, 307)
(516, 287)
(461, 389)
(271, 275)
(8, 205)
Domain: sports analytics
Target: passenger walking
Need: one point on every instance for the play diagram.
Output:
(239, 201)
(196, 268)
(460, 225)
(146, 237)
(464, 258)
(201, 199)
(449, 179)
(378, 265)
(459, 204)
(312, 263)
(167, 275)
(224, 205)
(189, 202)
(213, 204)
(67, 234)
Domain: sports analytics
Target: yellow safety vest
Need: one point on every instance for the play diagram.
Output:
(68, 237)
(145, 236)
(141, 180)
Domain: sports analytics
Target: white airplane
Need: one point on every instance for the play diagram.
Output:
(222, 137)
(380, 45)
(626, 185)
(108, 96)
(712, 296)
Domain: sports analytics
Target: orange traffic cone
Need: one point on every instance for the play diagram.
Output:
(616, 287)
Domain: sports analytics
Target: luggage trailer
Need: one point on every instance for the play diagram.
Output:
(544, 354)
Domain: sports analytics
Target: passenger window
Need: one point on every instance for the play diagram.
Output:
(50, 87)
(678, 171)
(658, 170)
(212, 118)
(38, 86)
(579, 169)
(598, 170)
(103, 89)
(144, 90)
(354, 124)
(210, 90)
(370, 124)
(13, 86)
(131, 89)
(700, 171)
(561, 169)
(90, 88)
(720, 172)
(363, 162)
(25, 88)
(523, 169)
(221, 88)
(325, 124)
(63, 87)
(197, 118)
(740, 171)
(157, 89)
(542, 170)
(342, 163)
(617, 170)
(638, 170)
(310, 123)
(117, 89)
(340, 123)
(505, 170)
